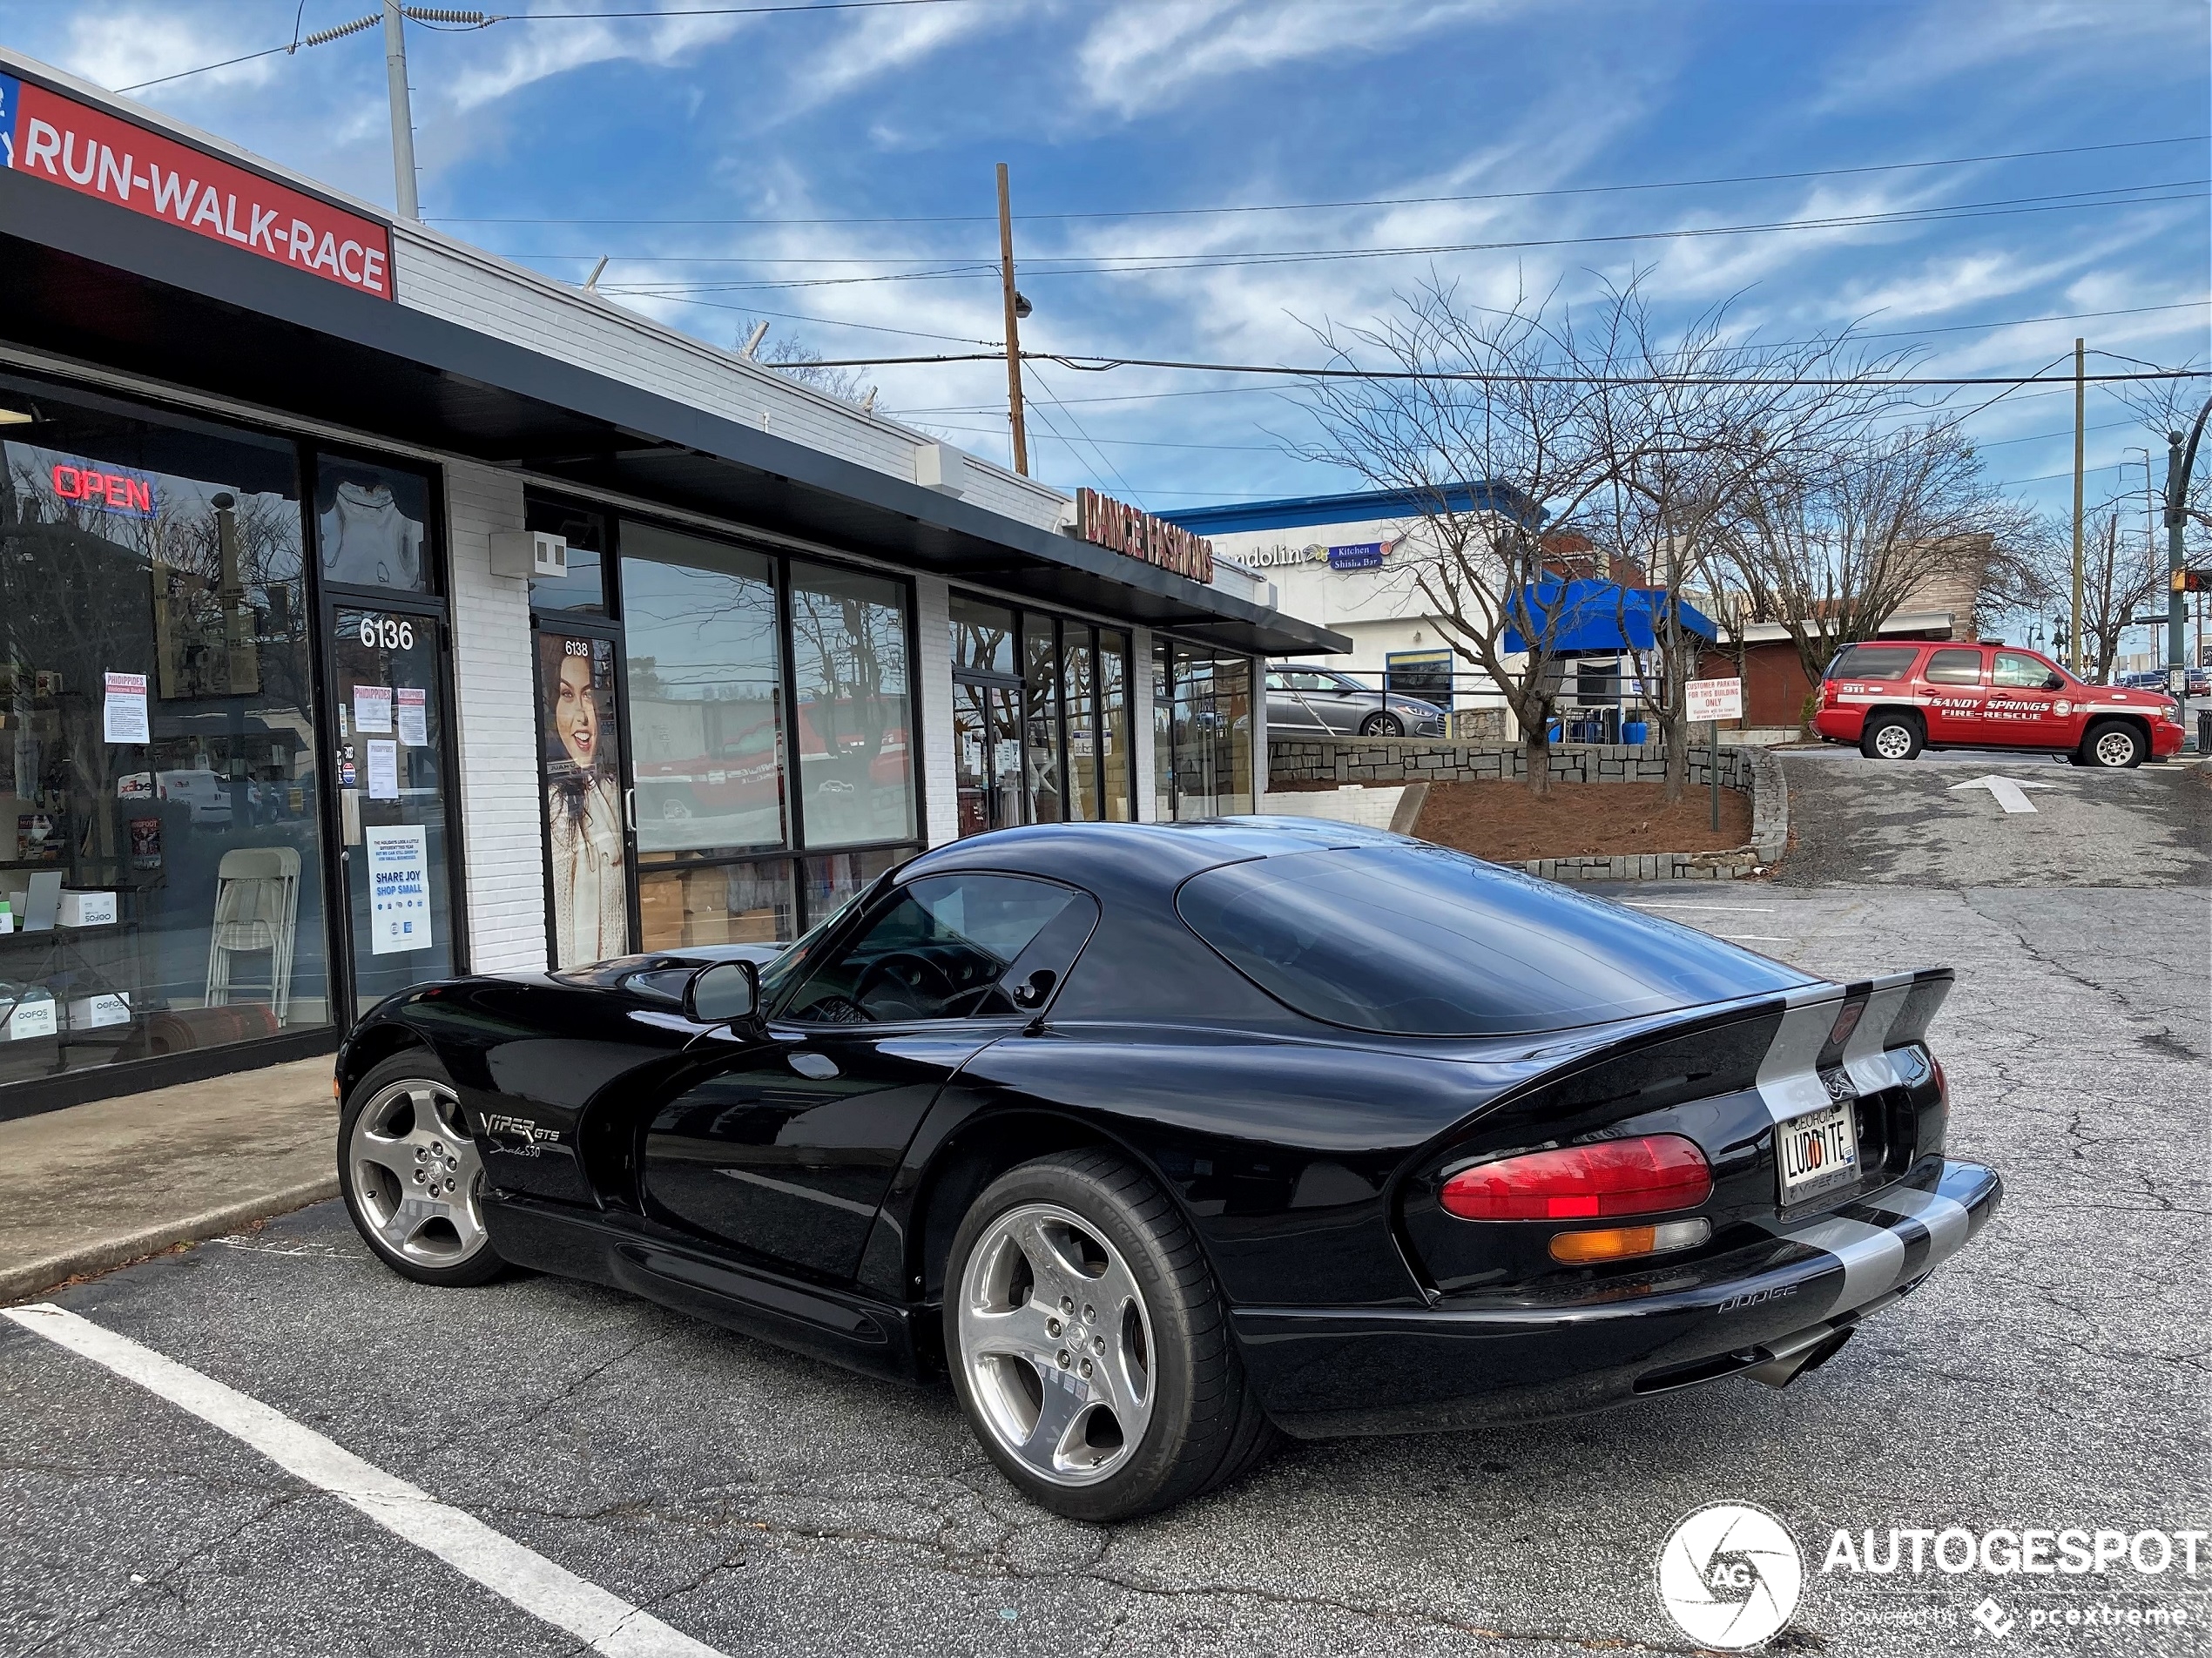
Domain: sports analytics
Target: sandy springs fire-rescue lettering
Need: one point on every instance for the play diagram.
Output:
(53, 138)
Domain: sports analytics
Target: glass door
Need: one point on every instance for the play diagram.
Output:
(387, 707)
(987, 755)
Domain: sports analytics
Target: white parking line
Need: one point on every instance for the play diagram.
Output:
(1654, 904)
(1752, 938)
(603, 1622)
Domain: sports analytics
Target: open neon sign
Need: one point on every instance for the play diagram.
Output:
(124, 492)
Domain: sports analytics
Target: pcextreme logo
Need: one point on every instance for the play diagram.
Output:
(1730, 1576)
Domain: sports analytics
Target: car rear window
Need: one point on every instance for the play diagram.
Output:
(1872, 662)
(1421, 941)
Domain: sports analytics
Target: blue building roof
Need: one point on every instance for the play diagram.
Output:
(1356, 507)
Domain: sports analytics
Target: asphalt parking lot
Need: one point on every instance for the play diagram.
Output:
(2054, 1375)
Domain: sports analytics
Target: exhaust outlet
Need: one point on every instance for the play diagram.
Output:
(1795, 1356)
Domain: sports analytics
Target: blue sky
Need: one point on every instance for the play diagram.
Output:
(1103, 106)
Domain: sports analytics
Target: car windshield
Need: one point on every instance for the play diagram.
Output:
(1421, 941)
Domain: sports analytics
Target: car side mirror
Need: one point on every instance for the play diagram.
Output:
(2054, 682)
(724, 993)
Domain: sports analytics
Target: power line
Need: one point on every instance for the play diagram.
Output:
(1357, 201)
(1102, 365)
(486, 22)
(1039, 267)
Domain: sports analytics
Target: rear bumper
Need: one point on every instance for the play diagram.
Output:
(1840, 725)
(1324, 1372)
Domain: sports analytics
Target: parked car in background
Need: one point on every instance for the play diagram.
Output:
(1893, 700)
(2149, 679)
(2200, 682)
(1322, 700)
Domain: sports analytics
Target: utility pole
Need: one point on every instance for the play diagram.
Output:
(1013, 326)
(403, 112)
(2180, 463)
(2080, 396)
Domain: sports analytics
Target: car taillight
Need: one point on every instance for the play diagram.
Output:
(1643, 1177)
(1942, 1082)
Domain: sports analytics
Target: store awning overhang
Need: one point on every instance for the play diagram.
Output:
(81, 279)
(1585, 617)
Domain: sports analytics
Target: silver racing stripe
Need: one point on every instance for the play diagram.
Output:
(1789, 1078)
(1945, 1218)
(1867, 1059)
(1872, 1258)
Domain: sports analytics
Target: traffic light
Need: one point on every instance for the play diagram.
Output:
(2193, 581)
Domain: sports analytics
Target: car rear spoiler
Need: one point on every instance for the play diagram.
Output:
(1849, 1027)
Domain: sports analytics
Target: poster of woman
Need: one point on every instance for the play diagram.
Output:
(582, 799)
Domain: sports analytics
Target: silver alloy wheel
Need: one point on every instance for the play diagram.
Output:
(1893, 742)
(1057, 1345)
(417, 1175)
(2114, 747)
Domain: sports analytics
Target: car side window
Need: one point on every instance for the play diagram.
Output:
(2016, 671)
(951, 946)
(1954, 668)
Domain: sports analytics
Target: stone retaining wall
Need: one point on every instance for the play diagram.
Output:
(1383, 761)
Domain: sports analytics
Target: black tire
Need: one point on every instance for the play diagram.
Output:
(2114, 745)
(1205, 1425)
(1382, 725)
(437, 1240)
(1897, 734)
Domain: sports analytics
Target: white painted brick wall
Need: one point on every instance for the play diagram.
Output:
(462, 284)
(934, 681)
(495, 696)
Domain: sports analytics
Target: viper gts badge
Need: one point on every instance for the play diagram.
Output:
(522, 1129)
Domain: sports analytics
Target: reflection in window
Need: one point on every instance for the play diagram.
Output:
(982, 638)
(833, 878)
(584, 589)
(369, 524)
(1041, 747)
(1209, 771)
(1079, 675)
(848, 634)
(1113, 723)
(705, 693)
(939, 952)
(157, 740)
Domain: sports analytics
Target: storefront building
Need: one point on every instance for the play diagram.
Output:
(376, 611)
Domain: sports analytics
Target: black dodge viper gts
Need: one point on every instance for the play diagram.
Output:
(1162, 1139)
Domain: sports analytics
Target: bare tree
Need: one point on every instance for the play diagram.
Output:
(1481, 398)
(796, 361)
(1831, 540)
(2123, 573)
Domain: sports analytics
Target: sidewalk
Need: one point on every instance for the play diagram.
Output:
(89, 1187)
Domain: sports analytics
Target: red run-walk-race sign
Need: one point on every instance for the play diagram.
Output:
(94, 154)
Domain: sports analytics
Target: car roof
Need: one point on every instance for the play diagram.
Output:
(1137, 858)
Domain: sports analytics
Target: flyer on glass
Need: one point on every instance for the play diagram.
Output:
(372, 708)
(383, 771)
(399, 888)
(410, 707)
(123, 713)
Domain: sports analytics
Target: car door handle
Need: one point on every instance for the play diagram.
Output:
(821, 1067)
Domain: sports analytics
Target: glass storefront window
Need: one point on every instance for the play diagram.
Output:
(831, 879)
(744, 903)
(157, 739)
(705, 690)
(370, 524)
(982, 638)
(1041, 749)
(1079, 678)
(1162, 731)
(849, 673)
(583, 589)
(1112, 725)
(1209, 771)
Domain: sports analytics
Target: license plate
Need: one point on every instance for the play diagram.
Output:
(1818, 1151)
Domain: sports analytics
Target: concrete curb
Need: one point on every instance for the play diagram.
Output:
(21, 1283)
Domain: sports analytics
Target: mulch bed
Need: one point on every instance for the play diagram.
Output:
(1506, 822)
